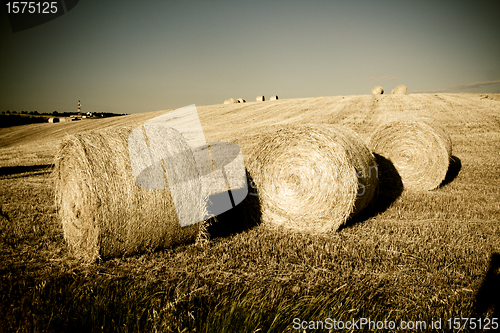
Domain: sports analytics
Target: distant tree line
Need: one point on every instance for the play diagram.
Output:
(63, 114)
(13, 118)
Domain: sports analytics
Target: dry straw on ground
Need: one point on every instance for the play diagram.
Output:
(377, 90)
(418, 147)
(399, 90)
(103, 212)
(312, 178)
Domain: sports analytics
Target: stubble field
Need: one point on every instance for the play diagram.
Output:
(411, 257)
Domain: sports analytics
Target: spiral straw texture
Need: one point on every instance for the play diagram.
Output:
(312, 178)
(420, 151)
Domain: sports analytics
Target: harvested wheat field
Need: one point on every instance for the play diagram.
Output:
(413, 256)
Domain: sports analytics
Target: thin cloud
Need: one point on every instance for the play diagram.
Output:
(464, 86)
(387, 78)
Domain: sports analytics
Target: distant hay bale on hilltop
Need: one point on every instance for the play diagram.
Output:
(399, 90)
(53, 120)
(312, 178)
(241, 100)
(420, 151)
(260, 98)
(377, 90)
(104, 213)
(273, 98)
(231, 101)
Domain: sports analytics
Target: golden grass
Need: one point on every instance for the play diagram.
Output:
(423, 257)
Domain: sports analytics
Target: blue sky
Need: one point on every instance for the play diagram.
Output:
(138, 56)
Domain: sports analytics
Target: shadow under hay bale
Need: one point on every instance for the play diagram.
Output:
(244, 216)
(26, 169)
(488, 295)
(453, 171)
(390, 187)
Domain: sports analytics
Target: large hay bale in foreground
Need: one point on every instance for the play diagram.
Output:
(399, 90)
(420, 151)
(312, 178)
(377, 90)
(104, 213)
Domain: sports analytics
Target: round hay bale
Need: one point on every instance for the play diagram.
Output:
(377, 90)
(231, 101)
(260, 98)
(420, 151)
(53, 120)
(103, 210)
(241, 100)
(399, 90)
(273, 98)
(312, 178)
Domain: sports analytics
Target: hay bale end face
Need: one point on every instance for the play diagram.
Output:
(273, 98)
(312, 178)
(377, 90)
(399, 90)
(260, 98)
(420, 151)
(104, 213)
